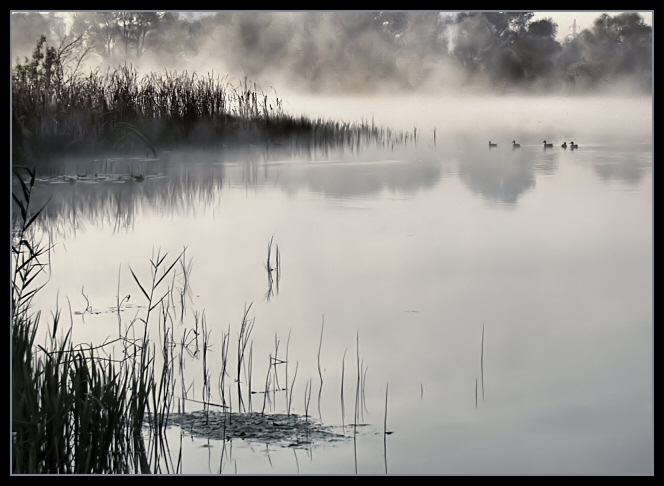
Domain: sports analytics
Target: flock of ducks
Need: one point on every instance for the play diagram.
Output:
(546, 144)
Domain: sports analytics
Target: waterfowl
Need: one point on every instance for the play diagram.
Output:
(547, 145)
(573, 145)
(564, 145)
(491, 145)
(515, 145)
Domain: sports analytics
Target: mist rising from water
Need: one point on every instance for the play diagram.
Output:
(467, 119)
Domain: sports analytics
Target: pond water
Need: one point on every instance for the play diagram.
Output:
(496, 304)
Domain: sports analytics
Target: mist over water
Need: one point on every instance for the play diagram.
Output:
(460, 120)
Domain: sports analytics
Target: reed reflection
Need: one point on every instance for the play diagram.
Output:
(112, 193)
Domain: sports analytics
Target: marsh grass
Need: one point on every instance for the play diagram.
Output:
(77, 408)
(118, 111)
(28, 255)
(74, 408)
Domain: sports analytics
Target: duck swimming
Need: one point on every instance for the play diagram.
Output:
(515, 145)
(564, 145)
(547, 145)
(573, 145)
(492, 144)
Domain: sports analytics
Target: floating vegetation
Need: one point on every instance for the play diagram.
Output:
(289, 430)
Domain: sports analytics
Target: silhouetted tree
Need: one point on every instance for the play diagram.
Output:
(28, 27)
(484, 43)
(614, 47)
(537, 50)
(134, 29)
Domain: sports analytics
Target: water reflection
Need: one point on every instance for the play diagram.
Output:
(345, 180)
(273, 268)
(103, 194)
(621, 163)
(112, 192)
(503, 176)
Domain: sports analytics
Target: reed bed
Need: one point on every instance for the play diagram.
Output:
(74, 409)
(120, 111)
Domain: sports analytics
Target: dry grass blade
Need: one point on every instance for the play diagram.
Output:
(139, 283)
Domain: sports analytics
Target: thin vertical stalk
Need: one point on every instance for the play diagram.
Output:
(357, 386)
(267, 385)
(307, 399)
(385, 429)
(249, 372)
(482, 362)
(286, 373)
(290, 399)
(385, 419)
(243, 338)
(343, 406)
(320, 373)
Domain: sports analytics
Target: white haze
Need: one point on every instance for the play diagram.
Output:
(465, 119)
(315, 78)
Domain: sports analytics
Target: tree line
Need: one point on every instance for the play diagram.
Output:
(356, 51)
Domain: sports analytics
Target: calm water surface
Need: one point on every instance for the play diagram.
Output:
(502, 300)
